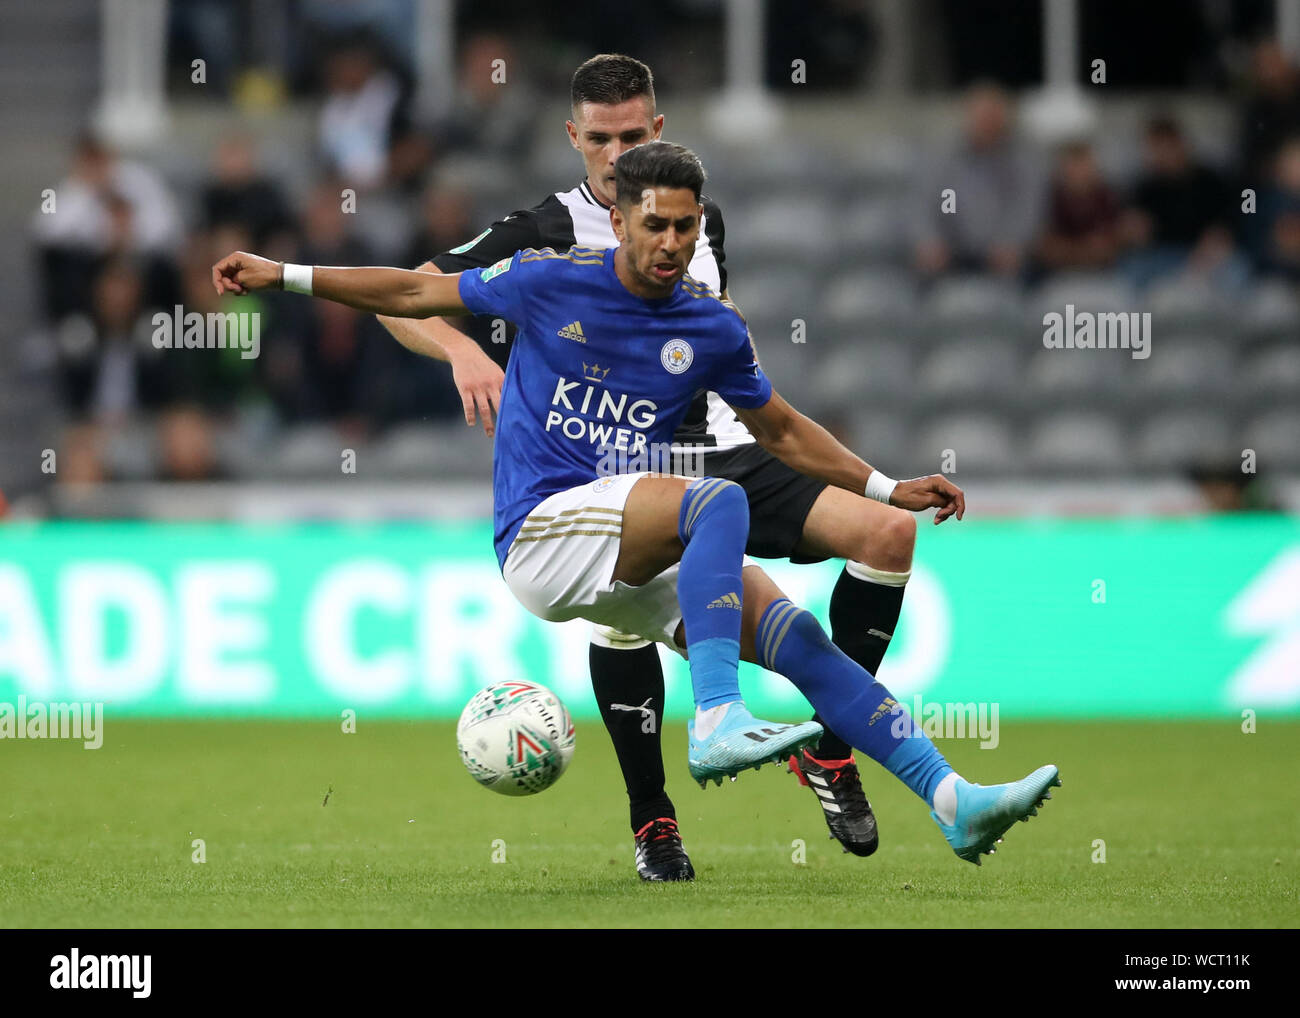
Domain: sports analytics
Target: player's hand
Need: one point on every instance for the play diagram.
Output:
(478, 380)
(934, 491)
(242, 272)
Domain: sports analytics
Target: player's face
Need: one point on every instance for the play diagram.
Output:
(602, 133)
(658, 237)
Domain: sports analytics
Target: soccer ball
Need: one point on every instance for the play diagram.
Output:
(515, 738)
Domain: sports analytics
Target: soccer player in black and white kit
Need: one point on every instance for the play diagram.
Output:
(791, 515)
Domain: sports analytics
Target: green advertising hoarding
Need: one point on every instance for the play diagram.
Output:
(1138, 618)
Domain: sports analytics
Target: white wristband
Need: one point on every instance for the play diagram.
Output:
(879, 486)
(297, 278)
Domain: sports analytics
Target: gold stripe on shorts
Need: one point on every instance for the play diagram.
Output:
(574, 512)
(568, 533)
(561, 525)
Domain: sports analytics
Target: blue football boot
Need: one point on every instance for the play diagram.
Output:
(985, 813)
(741, 741)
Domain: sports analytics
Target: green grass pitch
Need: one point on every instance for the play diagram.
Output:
(1199, 823)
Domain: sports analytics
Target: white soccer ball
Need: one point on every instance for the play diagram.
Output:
(515, 738)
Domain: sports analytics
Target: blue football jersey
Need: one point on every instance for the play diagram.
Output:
(598, 374)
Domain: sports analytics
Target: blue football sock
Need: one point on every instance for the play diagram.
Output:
(857, 707)
(714, 526)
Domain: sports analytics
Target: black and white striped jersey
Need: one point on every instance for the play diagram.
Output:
(578, 218)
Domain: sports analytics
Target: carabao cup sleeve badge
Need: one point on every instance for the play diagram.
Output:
(676, 356)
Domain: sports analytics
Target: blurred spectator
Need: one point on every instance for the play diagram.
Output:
(389, 22)
(1180, 214)
(107, 362)
(1273, 233)
(186, 448)
(997, 193)
(445, 221)
(1272, 113)
(835, 39)
(218, 379)
(82, 217)
(105, 206)
(985, 39)
(242, 196)
(424, 387)
(338, 367)
(495, 110)
(1225, 488)
(210, 29)
(246, 47)
(366, 109)
(1082, 230)
(81, 455)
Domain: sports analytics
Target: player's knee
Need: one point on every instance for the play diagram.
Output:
(713, 497)
(890, 542)
(902, 531)
(726, 493)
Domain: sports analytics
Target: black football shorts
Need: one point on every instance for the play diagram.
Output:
(780, 498)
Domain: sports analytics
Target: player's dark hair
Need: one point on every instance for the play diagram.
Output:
(656, 164)
(610, 79)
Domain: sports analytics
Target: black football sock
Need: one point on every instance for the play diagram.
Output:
(864, 611)
(629, 688)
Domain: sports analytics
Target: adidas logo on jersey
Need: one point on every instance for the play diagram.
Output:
(725, 601)
(572, 331)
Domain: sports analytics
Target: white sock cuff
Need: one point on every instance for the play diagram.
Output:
(862, 571)
(707, 719)
(945, 798)
(607, 636)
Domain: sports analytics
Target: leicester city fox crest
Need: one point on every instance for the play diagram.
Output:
(676, 356)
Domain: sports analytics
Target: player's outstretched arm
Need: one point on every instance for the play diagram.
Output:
(397, 292)
(803, 444)
(431, 337)
(478, 378)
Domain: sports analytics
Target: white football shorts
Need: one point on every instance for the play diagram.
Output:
(560, 563)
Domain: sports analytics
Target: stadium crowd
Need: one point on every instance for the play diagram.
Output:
(130, 242)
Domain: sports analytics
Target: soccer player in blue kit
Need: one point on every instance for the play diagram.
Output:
(791, 515)
(659, 555)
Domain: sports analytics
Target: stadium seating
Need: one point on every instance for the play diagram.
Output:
(959, 303)
(1077, 443)
(866, 300)
(1275, 437)
(313, 450)
(1272, 370)
(876, 369)
(1178, 439)
(1182, 366)
(423, 451)
(981, 368)
(1270, 309)
(977, 444)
